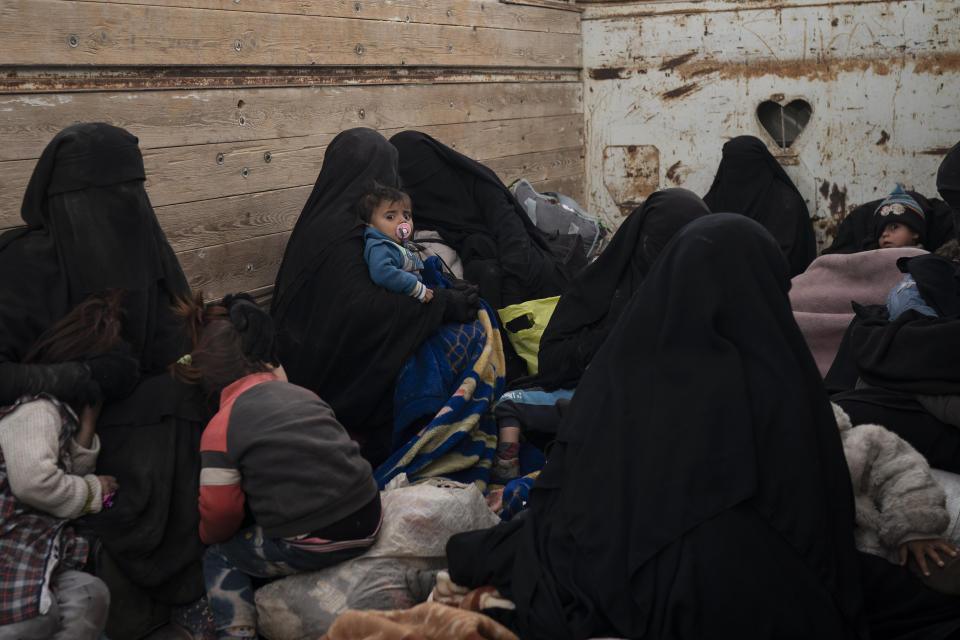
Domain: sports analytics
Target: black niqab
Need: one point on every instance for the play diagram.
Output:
(592, 302)
(90, 228)
(340, 334)
(700, 432)
(471, 209)
(750, 181)
(948, 177)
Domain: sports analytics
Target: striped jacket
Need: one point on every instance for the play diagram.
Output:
(278, 449)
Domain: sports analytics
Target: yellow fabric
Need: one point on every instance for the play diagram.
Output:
(526, 342)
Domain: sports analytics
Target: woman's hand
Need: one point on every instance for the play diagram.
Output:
(920, 549)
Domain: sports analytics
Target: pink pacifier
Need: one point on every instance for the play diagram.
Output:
(403, 230)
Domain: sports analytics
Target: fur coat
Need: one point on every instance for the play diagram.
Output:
(896, 498)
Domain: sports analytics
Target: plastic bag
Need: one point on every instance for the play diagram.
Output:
(524, 323)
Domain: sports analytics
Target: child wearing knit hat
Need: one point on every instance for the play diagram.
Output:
(900, 221)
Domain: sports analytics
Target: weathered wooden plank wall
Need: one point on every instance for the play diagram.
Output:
(667, 83)
(234, 101)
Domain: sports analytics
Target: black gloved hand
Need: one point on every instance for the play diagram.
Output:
(458, 306)
(463, 285)
(255, 326)
(115, 373)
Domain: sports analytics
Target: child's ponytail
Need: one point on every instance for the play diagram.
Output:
(216, 356)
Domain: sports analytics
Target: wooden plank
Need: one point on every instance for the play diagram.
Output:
(572, 186)
(15, 176)
(252, 264)
(87, 33)
(536, 167)
(192, 173)
(236, 266)
(175, 118)
(58, 79)
(186, 174)
(194, 225)
(480, 13)
(551, 4)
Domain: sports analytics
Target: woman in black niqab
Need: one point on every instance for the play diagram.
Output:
(750, 181)
(339, 334)
(467, 204)
(594, 299)
(698, 487)
(90, 228)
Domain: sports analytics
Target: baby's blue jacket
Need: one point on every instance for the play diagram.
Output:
(391, 265)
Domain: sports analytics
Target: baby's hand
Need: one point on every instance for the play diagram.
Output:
(427, 297)
(108, 484)
(923, 548)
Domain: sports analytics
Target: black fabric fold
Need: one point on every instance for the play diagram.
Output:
(594, 299)
(700, 434)
(472, 210)
(339, 334)
(750, 181)
(938, 280)
(914, 353)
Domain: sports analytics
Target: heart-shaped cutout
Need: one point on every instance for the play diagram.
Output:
(784, 123)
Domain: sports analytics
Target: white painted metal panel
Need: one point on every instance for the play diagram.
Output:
(883, 80)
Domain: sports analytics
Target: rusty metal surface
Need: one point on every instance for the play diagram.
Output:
(630, 174)
(57, 79)
(882, 78)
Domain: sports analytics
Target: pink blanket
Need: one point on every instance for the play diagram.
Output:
(821, 295)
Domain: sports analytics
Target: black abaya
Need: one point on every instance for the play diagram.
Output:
(750, 181)
(698, 486)
(592, 302)
(340, 334)
(91, 228)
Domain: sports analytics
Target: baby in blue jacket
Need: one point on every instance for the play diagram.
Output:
(386, 212)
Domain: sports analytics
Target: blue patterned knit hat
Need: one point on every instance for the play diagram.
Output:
(900, 207)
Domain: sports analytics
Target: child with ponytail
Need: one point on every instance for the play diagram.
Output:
(276, 451)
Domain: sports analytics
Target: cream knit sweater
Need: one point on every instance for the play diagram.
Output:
(29, 439)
